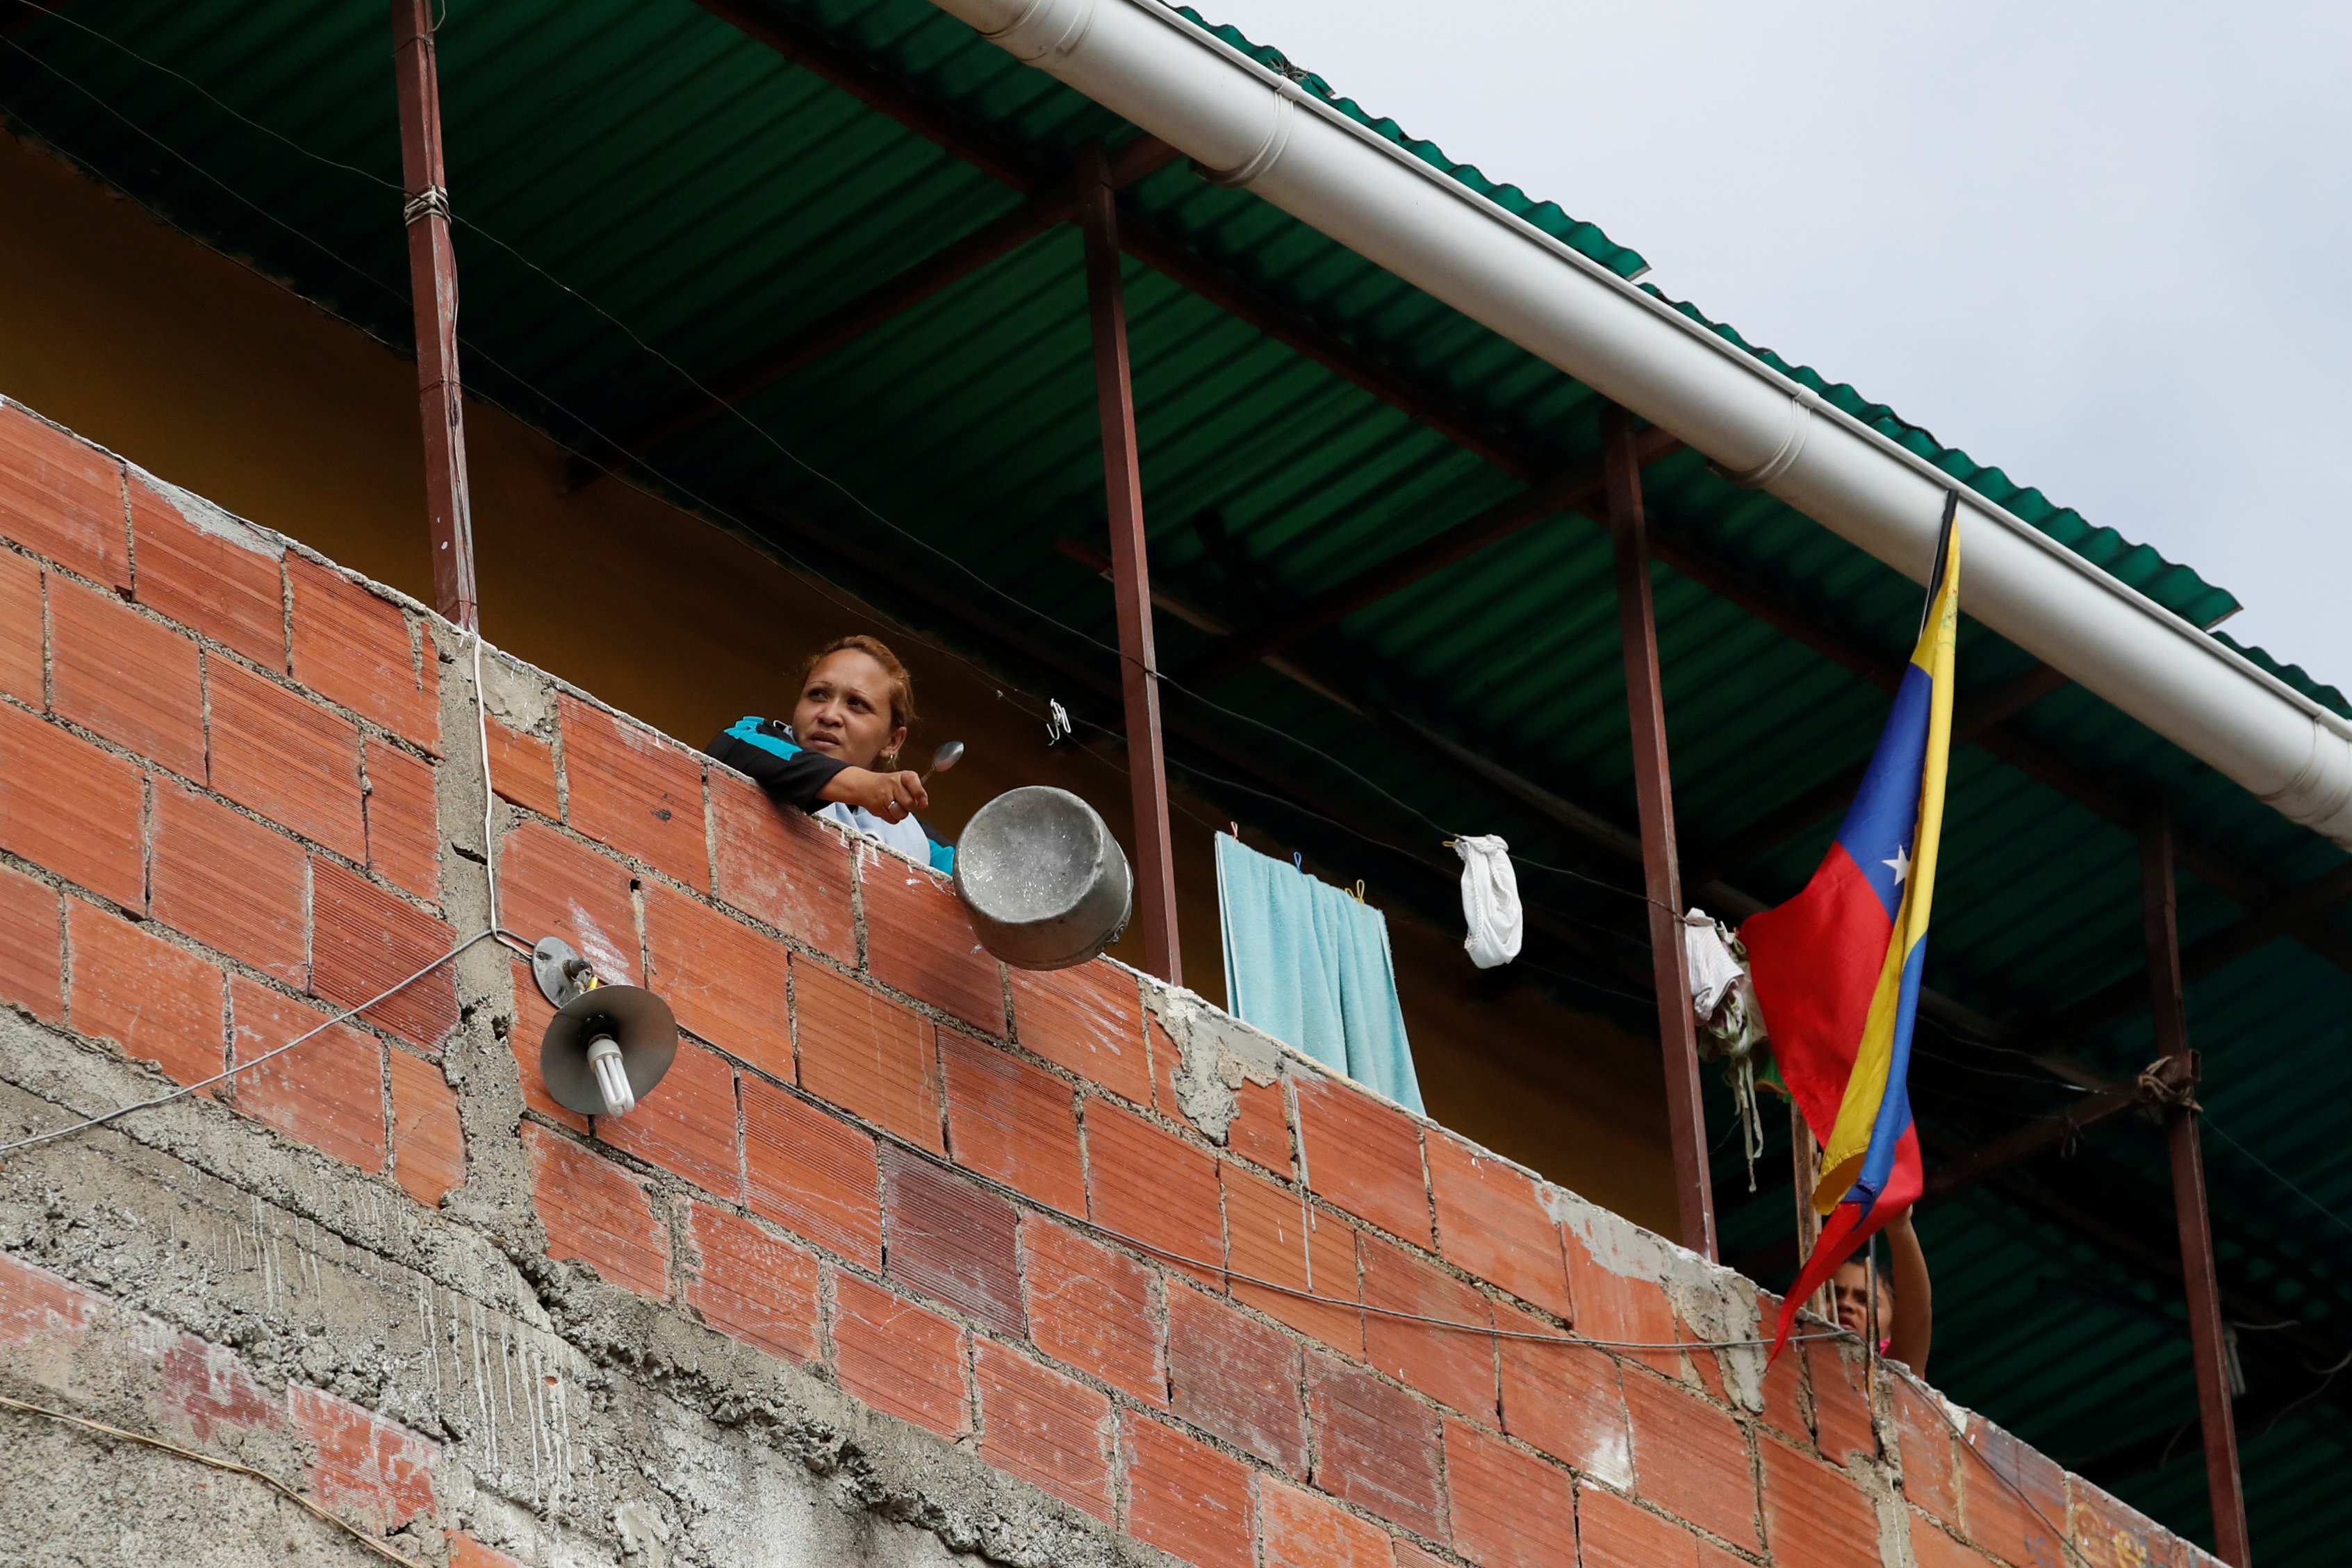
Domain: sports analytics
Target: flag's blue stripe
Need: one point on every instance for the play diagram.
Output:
(1894, 1104)
(1886, 809)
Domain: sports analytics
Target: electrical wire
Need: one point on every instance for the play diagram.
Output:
(495, 928)
(187, 1088)
(231, 1466)
(225, 107)
(1307, 1293)
(1935, 1401)
(490, 793)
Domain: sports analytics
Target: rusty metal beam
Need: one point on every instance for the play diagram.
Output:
(1017, 167)
(1955, 1172)
(1654, 793)
(852, 319)
(2207, 1330)
(1147, 762)
(433, 285)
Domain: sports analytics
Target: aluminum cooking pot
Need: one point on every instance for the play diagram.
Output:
(1045, 884)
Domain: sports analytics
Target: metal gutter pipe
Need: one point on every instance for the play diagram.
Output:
(1246, 126)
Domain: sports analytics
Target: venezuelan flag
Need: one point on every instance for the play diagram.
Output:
(1837, 968)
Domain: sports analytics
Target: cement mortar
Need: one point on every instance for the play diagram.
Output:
(1216, 1054)
(77, 1499)
(581, 1424)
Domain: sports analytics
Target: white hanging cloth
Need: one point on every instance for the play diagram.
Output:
(1490, 901)
(1730, 1024)
(1713, 970)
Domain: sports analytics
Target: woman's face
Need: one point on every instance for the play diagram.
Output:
(844, 712)
(1850, 1288)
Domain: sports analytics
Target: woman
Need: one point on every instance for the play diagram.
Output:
(838, 757)
(1905, 1306)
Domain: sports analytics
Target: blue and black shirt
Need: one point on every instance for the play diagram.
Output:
(767, 751)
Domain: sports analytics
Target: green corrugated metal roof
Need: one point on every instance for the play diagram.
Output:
(712, 196)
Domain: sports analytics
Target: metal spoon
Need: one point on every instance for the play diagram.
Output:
(947, 755)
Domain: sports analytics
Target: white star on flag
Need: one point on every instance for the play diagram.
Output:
(1901, 862)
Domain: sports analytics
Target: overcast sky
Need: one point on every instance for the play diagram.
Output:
(2106, 247)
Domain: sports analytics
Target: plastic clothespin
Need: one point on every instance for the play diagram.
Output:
(1359, 890)
(1234, 828)
(1058, 721)
(1298, 858)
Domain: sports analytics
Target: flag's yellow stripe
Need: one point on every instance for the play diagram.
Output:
(1865, 1088)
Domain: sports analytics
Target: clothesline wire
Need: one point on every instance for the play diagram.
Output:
(1523, 962)
(1353, 832)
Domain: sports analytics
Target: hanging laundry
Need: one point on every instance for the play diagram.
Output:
(1490, 900)
(1730, 1024)
(1714, 971)
(1311, 965)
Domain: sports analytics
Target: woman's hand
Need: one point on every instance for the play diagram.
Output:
(893, 796)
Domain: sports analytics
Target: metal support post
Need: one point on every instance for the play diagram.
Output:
(2201, 1285)
(1654, 795)
(433, 285)
(1146, 763)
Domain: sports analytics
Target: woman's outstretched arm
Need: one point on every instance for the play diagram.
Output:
(764, 749)
(1913, 1325)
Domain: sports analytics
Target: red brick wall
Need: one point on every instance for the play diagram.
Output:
(207, 848)
(968, 1196)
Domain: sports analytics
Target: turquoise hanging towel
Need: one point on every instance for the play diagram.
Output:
(1311, 965)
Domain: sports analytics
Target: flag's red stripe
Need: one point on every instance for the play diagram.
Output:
(1816, 961)
(1848, 1227)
